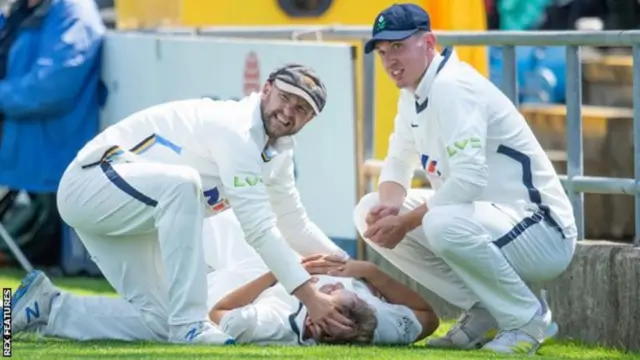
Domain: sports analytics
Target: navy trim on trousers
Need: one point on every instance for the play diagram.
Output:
(123, 185)
(543, 212)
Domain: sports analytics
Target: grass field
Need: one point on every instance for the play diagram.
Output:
(38, 348)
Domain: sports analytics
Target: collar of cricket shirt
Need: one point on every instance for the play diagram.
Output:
(424, 87)
(259, 135)
(296, 322)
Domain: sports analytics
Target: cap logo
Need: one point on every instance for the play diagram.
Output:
(381, 24)
(308, 81)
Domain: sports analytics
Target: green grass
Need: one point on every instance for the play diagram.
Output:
(39, 348)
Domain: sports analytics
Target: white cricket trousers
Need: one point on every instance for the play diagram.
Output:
(234, 261)
(142, 224)
(478, 252)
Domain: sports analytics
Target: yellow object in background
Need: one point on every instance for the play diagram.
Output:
(446, 15)
(135, 14)
(269, 12)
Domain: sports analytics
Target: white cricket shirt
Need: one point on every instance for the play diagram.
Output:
(277, 318)
(474, 146)
(225, 142)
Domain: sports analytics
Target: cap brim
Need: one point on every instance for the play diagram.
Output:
(292, 89)
(389, 35)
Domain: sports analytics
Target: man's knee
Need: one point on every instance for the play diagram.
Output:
(367, 202)
(362, 209)
(157, 322)
(446, 229)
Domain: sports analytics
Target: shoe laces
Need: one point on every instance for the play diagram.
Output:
(506, 336)
(462, 321)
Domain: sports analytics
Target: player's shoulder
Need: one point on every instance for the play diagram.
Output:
(224, 110)
(452, 82)
(459, 80)
(232, 118)
(406, 99)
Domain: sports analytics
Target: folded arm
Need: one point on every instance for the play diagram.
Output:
(249, 321)
(395, 292)
(242, 296)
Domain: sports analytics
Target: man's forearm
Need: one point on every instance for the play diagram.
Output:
(391, 193)
(413, 219)
(394, 291)
(308, 239)
(246, 294)
(280, 258)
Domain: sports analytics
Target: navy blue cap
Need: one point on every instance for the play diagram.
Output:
(398, 22)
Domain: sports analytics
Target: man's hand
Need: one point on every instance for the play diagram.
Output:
(387, 232)
(353, 268)
(381, 211)
(322, 263)
(322, 309)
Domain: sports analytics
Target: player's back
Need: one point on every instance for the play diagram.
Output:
(520, 173)
(177, 132)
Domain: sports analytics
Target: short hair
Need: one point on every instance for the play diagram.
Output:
(365, 323)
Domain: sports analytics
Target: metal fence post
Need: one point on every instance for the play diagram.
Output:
(636, 137)
(574, 133)
(368, 111)
(510, 73)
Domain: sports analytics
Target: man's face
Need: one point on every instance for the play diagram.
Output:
(283, 113)
(343, 298)
(405, 61)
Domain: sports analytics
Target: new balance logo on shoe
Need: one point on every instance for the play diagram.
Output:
(191, 334)
(33, 312)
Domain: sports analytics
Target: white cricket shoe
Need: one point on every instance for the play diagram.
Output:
(475, 328)
(203, 332)
(520, 342)
(31, 302)
(513, 342)
(529, 338)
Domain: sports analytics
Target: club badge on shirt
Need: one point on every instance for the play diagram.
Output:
(216, 203)
(430, 165)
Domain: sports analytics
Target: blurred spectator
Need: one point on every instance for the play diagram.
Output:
(614, 14)
(493, 16)
(50, 95)
(609, 14)
(622, 14)
(521, 14)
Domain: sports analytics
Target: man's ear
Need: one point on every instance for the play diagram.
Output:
(266, 89)
(430, 39)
